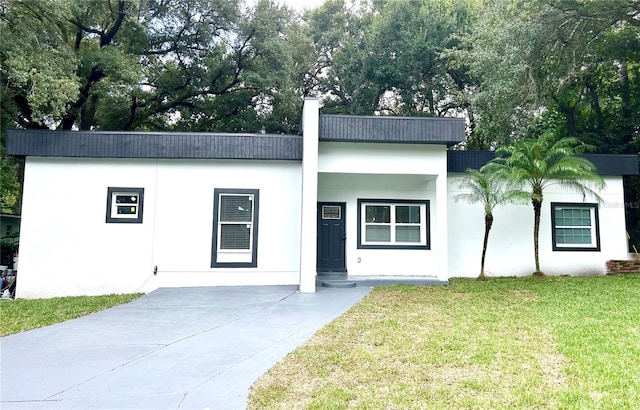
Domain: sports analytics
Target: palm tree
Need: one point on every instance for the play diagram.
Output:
(485, 186)
(542, 162)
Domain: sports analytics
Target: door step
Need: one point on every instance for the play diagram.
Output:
(334, 280)
(338, 284)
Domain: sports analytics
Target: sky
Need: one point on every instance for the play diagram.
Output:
(302, 5)
(299, 5)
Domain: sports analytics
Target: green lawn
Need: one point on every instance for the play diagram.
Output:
(22, 314)
(508, 343)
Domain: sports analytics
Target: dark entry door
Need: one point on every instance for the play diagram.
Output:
(331, 237)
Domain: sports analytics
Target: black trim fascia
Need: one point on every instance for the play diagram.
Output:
(606, 164)
(153, 145)
(391, 129)
(138, 219)
(593, 206)
(214, 242)
(425, 202)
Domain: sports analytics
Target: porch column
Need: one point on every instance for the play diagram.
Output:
(308, 227)
(442, 221)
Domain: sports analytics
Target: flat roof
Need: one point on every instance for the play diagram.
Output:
(606, 164)
(188, 145)
(381, 129)
(185, 145)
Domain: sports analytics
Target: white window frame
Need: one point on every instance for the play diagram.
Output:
(112, 205)
(234, 258)
(594, 227)
(326, 214)
(424, 224)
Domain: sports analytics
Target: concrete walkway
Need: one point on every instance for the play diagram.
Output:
(179, 348)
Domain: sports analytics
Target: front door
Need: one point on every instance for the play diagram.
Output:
(331, 237)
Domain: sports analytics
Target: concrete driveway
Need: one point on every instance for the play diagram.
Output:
(178, 348)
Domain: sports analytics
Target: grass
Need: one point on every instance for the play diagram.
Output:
(21, 314)
(553, 343)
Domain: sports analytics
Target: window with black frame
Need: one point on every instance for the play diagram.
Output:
(394, 224)
(124, 205)
(575, 227)
(235, 228)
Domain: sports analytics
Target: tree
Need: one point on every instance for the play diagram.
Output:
(9, 185)
(578, 58)
(485, 186)
(542, 162)
(499, 51)
(11, 170)
(390, 57)
(146, 64)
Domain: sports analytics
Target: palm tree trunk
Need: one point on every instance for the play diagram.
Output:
(488, 222)
(537, 207)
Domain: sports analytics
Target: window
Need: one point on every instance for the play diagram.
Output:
(393, 224)
(235, 228)
(575, 227)
(330, 211)
(124, 205)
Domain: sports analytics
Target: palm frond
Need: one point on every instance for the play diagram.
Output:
(541, 162)
(487, 187)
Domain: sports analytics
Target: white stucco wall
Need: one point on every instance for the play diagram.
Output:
(182, 245)
(352, 171)
(66, 248)
(403, 159)
(510, 248)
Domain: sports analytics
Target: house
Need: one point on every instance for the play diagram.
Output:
(577, 235)
(114, 212)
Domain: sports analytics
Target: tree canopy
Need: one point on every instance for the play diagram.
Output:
(230, 66)
(153, 64)
(391, 57)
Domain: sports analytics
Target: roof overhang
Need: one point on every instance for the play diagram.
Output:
(606, 164)
(111, 144)
(387, 129)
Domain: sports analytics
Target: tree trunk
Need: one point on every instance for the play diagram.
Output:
(570, 114)
(625, 92)
(628, 127)
(472, 121)
(88, 113)
(537, 207)
(78, 108)
(595, 106)
(70, 118)
(568, 109)
(488, 222)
